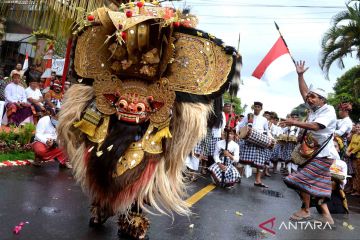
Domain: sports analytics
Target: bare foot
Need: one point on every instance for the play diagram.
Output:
(327, 218)
(302, 213)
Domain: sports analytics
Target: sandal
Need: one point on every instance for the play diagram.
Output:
(260, 185)
(296, 218)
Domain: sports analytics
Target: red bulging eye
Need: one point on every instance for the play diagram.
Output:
(140, 107)
(123, 104)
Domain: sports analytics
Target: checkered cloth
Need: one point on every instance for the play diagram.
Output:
(199, 148)
(254, 155)
(287, 150)
(259, 139)
(277, 152)
(231, 175)
(209, 143)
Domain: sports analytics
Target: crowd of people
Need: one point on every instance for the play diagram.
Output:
(261, 141)
(28, 98)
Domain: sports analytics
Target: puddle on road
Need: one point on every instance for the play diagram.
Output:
(251, 232)
(272, 193)
(50, 210)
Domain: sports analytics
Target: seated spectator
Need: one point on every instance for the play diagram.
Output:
(18, 109)
(35, 97)
(223, 171)
(54, 97)
(45, 145)
(67, 85)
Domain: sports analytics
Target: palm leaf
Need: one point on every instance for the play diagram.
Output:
(56, 16)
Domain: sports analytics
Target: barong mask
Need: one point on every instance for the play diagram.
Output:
(153, 77)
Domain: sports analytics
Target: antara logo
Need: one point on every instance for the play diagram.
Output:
(269, 225)
(271, 221)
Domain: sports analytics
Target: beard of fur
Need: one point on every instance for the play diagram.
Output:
(70, 138)
(166, 190)
(100, 169)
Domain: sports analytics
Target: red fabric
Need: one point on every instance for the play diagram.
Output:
(45, 153)
(232, 122)
(276, 51)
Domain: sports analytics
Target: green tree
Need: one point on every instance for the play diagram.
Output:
(235, 101)
(347, 88)
(343, 37)
(301, 110)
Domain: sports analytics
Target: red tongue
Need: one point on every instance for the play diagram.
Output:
(156, 105)
(111, 98)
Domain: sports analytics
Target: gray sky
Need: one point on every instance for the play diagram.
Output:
(302, 23)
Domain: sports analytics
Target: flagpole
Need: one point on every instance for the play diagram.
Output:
(277, 27)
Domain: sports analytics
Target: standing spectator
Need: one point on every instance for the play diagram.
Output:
(344, 124)
(353, 152)
(314, 178)
(18, 69)
(229, 115)
(18, 109)
(253, 154)
(45, 145)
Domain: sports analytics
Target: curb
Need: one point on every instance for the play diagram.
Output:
(15, 163)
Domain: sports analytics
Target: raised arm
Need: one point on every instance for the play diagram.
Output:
(300, 69)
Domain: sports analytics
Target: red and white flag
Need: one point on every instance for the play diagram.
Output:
(276, 64)
(26, 62)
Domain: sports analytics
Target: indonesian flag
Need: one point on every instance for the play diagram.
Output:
(26, 62)
(276, 64)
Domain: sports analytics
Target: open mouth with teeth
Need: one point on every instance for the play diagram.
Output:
(133, 118)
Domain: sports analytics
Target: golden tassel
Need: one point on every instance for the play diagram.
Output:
(163, 133)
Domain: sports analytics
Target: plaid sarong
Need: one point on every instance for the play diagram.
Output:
(254, 155)
(232, 175)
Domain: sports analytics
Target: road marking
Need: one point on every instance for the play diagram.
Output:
(200, 194)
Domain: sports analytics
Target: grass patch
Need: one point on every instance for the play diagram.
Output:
(16, 156)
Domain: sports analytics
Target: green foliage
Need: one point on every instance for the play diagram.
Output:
(60, 47)
(17, 156)
(16, 139)
(301, 110)
(347, 88)
(342, 38)
(235, 101)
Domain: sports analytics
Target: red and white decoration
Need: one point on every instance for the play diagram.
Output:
(15, 163)
(276, 64)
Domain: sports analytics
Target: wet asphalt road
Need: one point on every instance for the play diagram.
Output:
(56, 208)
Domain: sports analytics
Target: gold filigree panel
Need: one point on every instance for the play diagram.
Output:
(199, 66)
(106, 83)
(91, 54)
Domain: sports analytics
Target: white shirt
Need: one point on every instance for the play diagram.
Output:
(344, 170)
(276, 130)
(260, 123)
(216, 132)
(15, 93)
(292, 131)
(233, 148)
(45, 130)
(34, 94)
(343, 126)
(325, 116)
